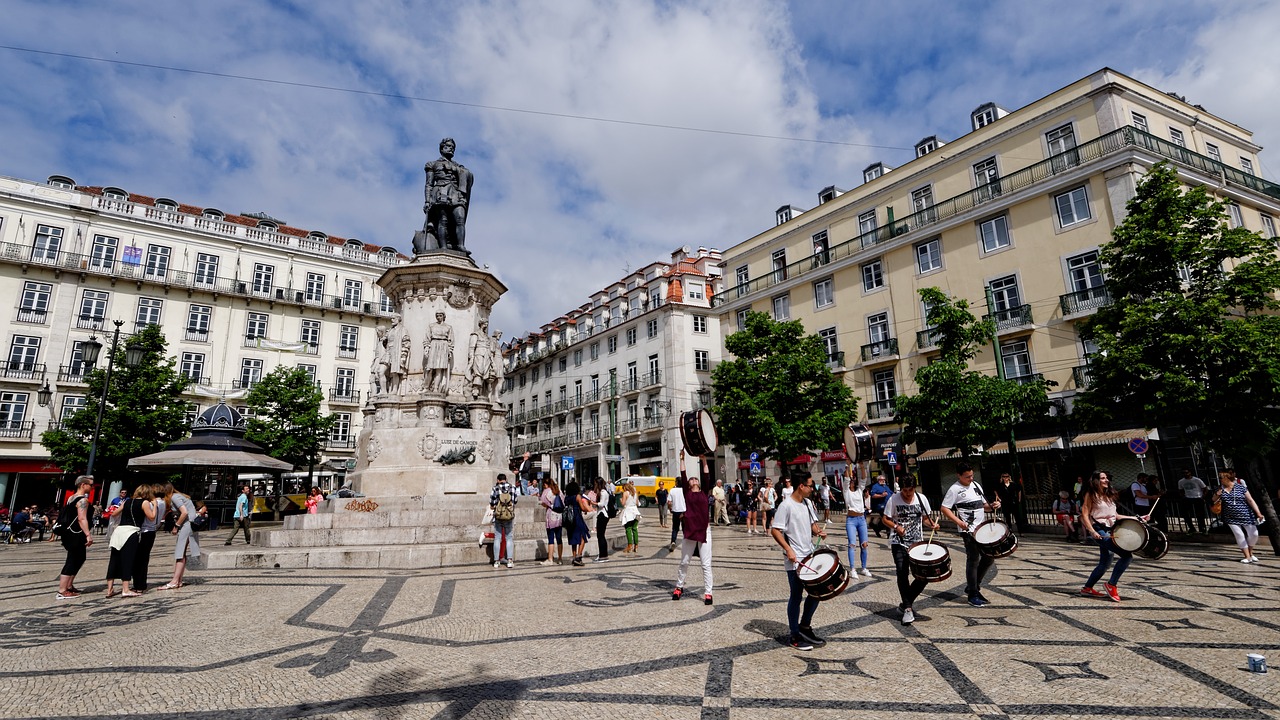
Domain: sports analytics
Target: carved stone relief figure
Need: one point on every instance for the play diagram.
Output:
(397, 351)
(437, 355)
(496, 365)
(481, 354)
(379, 374)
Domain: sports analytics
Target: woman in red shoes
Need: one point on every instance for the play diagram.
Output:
(1098, 515)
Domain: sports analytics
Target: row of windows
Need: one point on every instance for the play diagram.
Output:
(106, 251)
(701, 363)
(1071, 207)
(698, 326)
(36, 297)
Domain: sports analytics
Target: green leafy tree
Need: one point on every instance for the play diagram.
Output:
(144, 412)
(287, 421)
(1191, 338)
(961, 407)
(777, 396)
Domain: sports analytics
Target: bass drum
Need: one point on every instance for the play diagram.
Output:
(859, 443)
(929, 561)
(995, 538)
(822, 574)
(698, 432)
(1156, 546)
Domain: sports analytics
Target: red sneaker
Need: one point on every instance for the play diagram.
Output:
(677, 593)
(1090, 592)
(706, 599)
(1112, 592)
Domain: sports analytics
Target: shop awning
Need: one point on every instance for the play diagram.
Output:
(1031, 445)
(1113, 437)
(938, 454)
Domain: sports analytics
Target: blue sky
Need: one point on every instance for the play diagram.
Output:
(563, 206)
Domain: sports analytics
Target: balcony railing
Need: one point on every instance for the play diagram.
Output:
(21, 370)
(1082, 376)
(1010, 318)
(347, 352)
(1027, 379)
(880, 410)
(928, 338)
(1084, 301)
(631, 384)
(340, 443)
(561, 406)
(344, 396)
(14, 430)
(653, 378)
(31, 315)
(835, 361)
(251, 340)
(245, 383)
(90, 322)
(1109, 144)
(872, 352)
(196, 335)
(73, 373)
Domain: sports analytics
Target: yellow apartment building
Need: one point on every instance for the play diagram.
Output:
(1010, 217)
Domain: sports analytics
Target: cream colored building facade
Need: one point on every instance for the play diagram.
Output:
(236, 296)
(645, 344)
(1012, 214)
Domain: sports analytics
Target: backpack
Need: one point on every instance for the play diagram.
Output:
(68, 522)
(567, 517)
(505, 510)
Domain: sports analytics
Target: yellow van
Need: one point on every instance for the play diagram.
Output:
(647, 487)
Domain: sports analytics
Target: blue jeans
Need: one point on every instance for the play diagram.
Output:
(1105, 547)
(794, 619)
(503, 540)
(856, 526)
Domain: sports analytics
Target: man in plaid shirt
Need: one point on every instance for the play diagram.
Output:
(503, 502)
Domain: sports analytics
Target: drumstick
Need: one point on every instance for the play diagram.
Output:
(1152, 509)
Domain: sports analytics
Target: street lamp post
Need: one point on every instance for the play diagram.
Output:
(91, 350)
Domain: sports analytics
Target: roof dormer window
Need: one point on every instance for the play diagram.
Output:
(167, 204)
(986, 114)
(114, 193)
(829, 193)
(873, 171)
(213, 214)
(62, 181)
(928, 145)
(318, 236)
(267, 225)
(388, 250)
(353, 244)
(784, 214)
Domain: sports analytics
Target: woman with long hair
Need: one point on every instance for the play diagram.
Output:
(314, 498)
(188, 543)
(1240, 513)
(554, 504)
(602, 499)
(126, 539)
(631, 517)
(578, 532)
(147, 538)
(1098, 515)
(753, 504)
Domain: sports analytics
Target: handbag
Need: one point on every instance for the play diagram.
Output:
(488, 517)
(1215, 506)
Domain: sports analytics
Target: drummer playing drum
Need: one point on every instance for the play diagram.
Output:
(1098, 515)
(966, 505)
(794, 525)
(906, 514)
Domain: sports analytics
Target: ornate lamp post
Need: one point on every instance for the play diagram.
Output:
(91, 349)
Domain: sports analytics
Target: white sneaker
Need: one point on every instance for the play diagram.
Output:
(510, 564)
(908, 617)
(1246, 561)
(866, 572)
(1253, 559)
(498, 564)
(548, 561)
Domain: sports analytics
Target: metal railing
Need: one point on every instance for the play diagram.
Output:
(834, 360)
(340, 443)
(1011, 318)
(22, 370)
(347, 352)
(1084, 301)
(1027, 379)
(871, 352)
(90, 322)
(31, 315)
(880, 410)
(1108, 144)
(1082, 376)
(345, 396)
(196, 335)
(652, 378)
(73, 373)
(928, 338)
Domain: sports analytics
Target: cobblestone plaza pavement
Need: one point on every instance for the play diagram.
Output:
(606, 640)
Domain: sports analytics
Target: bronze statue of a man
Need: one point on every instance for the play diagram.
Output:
(448, 195)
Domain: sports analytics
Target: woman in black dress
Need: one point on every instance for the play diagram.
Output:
(134, 511)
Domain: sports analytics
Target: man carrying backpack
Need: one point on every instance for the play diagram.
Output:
(503, 503)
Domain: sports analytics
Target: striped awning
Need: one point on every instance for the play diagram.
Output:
(938, 454)
(1031, 445)
(1113, 437)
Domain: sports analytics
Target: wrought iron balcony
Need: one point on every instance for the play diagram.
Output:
(16, 430)
(1027, 379)
(90, 322)
(651, 379)
(835, 360)
(928, 338)
(1082, 376)
(1084, 301)
(340, 443)
(876, 351)
(18, 370)
(1011, 318)
(344, 396)
(32, 315)
(73, 373)
(196, 335)
(880, 410)
(348, 351)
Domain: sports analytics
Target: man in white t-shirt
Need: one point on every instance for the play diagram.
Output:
(906, 515)
(795, 522)
(1193, 489)
(966, 505)
(675, 503)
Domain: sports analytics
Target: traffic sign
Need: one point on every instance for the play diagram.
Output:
(566, 462)
(755, 456)
(1138, 446)
(891, 457)
(613, 458)
(755, 468)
